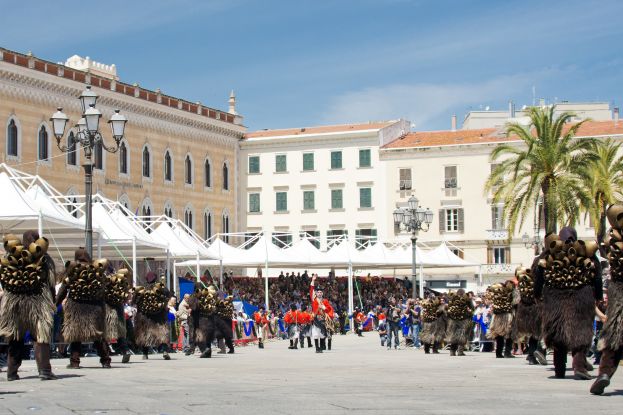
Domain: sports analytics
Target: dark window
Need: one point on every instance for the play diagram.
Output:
(146, 162)
(207, 173)
(207, 225)
(98, 156)
(146, 211)
(12, 149)
(188, 169)
(188, 218)
(43, 144)
(225, 177)
(72, 150)
(168, 167)
(225, 228)
(123, 159)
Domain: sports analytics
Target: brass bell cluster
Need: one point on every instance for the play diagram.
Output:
(430, 306)
(459, 306)
(86, 281)
(526, 284)
(614, 241)
(501, 295)
(206, 301)
(225, 308)
(117, 288)
(21, 270)
(151, 300)
(568, 265)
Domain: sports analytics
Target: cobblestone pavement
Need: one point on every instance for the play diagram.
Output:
(357, 376)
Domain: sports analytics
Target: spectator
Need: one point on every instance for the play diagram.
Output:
(183, 313)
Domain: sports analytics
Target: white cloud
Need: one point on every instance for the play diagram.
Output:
(423, 102)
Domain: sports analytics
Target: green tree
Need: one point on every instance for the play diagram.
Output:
(543, 167)
(603, 179)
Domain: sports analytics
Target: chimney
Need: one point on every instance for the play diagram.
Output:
(453, 122)
(511, 109)
(232, 103)
(616, 115)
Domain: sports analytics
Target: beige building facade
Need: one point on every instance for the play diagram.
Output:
(177, 158)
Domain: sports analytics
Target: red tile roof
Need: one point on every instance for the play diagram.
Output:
(324, 129)
(491, 135)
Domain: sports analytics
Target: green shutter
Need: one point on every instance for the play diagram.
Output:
(365, 197)
(282, 201)
(308, 161)
(280, 163)
(336, 199)
(254, 202)
(308, 200)
(336, 159)
(254, 164)
(364, 158)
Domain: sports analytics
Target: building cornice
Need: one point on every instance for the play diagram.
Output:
(45, 89)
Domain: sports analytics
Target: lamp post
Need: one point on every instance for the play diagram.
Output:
(87, 137)
(413, 219)
(534, 243)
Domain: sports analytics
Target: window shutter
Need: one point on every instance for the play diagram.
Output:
(493, 217)
(442, 221)
(507, 255)
(489, 255)
(461, 220)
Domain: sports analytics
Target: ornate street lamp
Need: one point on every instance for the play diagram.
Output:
(87, 137)
(534, 242)
(413, 219)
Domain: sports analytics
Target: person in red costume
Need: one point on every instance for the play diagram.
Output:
(322, 313)
(294, 318)
(261, 324)
(305, 327)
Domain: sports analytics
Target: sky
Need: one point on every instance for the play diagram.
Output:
(298, 63)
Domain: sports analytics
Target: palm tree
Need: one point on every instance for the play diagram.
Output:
(603, 179)
(543, 169)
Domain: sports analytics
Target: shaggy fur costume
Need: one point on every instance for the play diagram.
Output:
(115, 323)
(568, 317)
(151, 330)
(528, 320)
(22, 313)
(205, 331)
(501, 326)
(433, 332)
(612, 332)
(458, 331)
(83, 322)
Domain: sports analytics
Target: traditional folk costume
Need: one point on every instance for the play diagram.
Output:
(205, 327)
(611, 342)
(569, 279)
(151, 322)
(27, 277)
(504, 298)
(116, 292)
(224, 322)
(294, 319)
(84, 310)
(261, 326)
(434, 321)
(322, 315)
(527, 322)
(305, 326)
(460, 311)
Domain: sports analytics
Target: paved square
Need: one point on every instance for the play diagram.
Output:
(358, 376)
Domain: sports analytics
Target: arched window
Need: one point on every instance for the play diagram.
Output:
(72, 203)
(225, 176)
(98, 156)
(168, 166)
(147, 210)
(123, 158)
(188, 216)
(225, 226)
(188, 170)
(12, 141)
(207, 224)
(207, 173)
(42, 144)
(146, 162)
(125, 202)
(72, 149)
(168, 210)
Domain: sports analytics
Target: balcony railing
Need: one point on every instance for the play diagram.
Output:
(497, 234)
(499, 268)
(405, 185)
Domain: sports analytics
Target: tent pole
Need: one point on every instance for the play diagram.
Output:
(99, 245)
(266, 242)
(198, 268)
(421, 282)
(134, 270)
(168, 269)
(175, 278)
(351, 300)
(40, 224)
(479, 276)
(220, 275)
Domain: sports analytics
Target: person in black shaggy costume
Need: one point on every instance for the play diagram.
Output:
(527, 323)
(434, 321)
(568, 278)
(504, 297)
(151, 322)
(460, 311)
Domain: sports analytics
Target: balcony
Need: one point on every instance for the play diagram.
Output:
(498, 269)
(497, 234)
